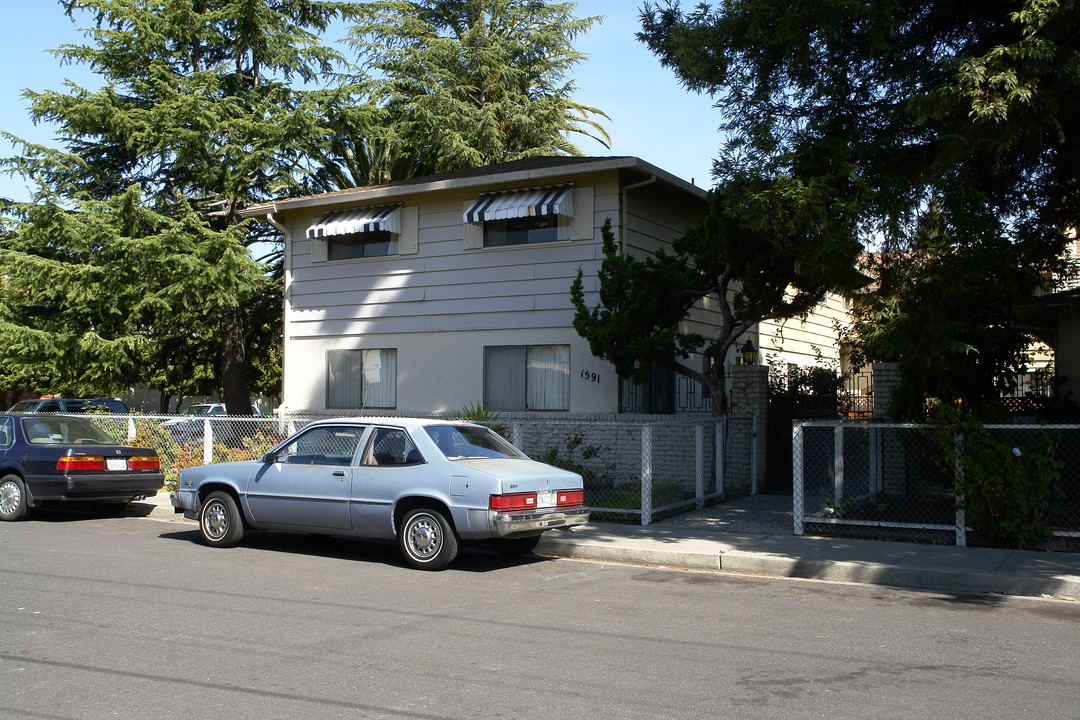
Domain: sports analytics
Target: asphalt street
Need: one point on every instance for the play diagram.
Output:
(132, 617)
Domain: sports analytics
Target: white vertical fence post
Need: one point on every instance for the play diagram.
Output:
(753, 455)
(961, 518)
(646, 474)
(207, 442)
(699, 461)
(720, 454)
(797, 499)
(838, 464)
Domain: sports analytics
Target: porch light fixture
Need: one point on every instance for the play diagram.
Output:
(749, 353)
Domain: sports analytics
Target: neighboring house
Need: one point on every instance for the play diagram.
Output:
(431, 294)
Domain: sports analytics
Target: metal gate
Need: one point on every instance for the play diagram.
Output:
(814, 393)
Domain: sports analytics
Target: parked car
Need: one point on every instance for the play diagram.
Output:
(192, 425)
(112, 406)
(428, 484)
(57, 459)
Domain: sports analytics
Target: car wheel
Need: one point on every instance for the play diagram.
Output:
(220, 521)
(515, 546)
(13, 498)
(427, 540)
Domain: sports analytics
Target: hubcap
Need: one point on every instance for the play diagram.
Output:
(424, 537)
(9, 498)
(215, 520)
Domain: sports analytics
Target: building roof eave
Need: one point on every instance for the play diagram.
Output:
(474, 178)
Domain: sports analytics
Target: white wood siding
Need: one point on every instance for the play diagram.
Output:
(803, 340)
(443, 286)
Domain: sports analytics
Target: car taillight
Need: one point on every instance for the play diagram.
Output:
(514, 501)
(80, 462)
(571, 497)
(144, 462)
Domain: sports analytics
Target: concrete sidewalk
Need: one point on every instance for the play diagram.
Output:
(694, 544)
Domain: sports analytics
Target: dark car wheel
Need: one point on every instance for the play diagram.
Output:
(516, 546)
(220, 521)
(427, 540)
(13, 498)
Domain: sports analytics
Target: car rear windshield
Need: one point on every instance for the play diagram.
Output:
(458, 442)
(54, 430)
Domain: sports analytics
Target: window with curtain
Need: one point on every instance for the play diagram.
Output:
(361, 378)
(527, 377)
(525, 230)
(361, 245)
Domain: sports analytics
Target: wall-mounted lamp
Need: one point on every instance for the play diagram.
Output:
(749, 353)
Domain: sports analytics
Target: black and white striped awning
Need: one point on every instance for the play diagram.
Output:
(345, 222)
(522, 203)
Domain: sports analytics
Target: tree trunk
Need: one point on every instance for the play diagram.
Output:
(718, 389)
(234, 377)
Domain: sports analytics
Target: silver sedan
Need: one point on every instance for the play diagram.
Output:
(429, 484)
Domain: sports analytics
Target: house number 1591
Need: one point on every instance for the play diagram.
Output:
(595, 377)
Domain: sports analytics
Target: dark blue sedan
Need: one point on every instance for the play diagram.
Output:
(57, 459)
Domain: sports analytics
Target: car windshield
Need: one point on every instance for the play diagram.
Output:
(199, 410)
(24, 406)
(48, 430)
(458, 442)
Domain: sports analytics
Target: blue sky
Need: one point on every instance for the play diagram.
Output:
(652, 116)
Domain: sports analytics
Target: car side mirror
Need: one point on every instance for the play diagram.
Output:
(269, 458)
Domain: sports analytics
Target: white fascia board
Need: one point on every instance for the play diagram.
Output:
(389, 193)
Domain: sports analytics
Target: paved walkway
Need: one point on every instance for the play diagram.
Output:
(754, 535)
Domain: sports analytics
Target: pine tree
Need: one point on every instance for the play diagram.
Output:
(131, 261)
(457, 84)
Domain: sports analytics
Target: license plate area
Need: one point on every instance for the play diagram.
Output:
(545, 499)
(116, 464)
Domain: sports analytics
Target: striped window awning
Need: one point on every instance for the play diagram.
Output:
(345, 222)
(522, 203)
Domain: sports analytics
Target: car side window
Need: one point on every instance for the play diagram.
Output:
(6, 433)
(322, 446)
(391, 446)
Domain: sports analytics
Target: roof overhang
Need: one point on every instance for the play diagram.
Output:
(479, 181)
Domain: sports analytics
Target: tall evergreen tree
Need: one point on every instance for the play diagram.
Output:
(131, 262)
(459, 83)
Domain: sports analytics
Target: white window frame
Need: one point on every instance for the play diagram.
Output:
(364, 378)
(527, 377)
(580, 227)
(407, 240)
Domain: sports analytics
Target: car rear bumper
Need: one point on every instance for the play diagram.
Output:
(515, 522)
(95, 487)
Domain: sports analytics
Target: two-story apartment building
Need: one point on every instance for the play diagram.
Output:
(430, 294)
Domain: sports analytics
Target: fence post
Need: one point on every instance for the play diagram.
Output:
(753, 454)
(699, 459)
(961, 518)
(838, 464)
(797, 499)
(207, 442)
(646, 474)
(720, 453)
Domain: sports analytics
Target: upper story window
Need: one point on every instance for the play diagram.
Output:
(522, 217)
(360, 233)
(359, 245)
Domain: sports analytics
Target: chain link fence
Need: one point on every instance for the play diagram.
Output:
(634, 471)
(1010, 485)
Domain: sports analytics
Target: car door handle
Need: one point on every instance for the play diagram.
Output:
(339, 473)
